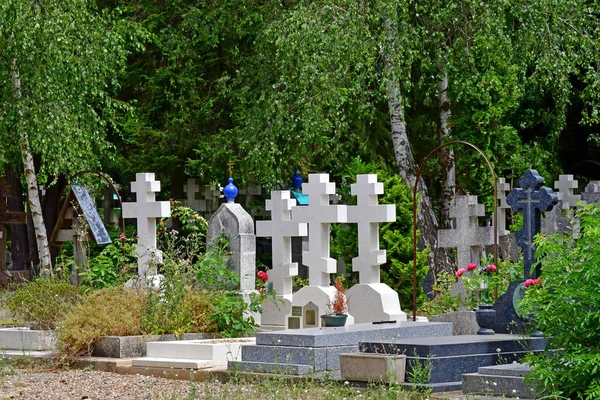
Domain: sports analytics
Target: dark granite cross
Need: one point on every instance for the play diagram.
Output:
(531, 198)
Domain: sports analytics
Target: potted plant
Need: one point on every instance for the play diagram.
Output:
(337, 308)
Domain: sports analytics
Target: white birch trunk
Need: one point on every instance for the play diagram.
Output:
(426, 220)
(447, 153)
(33, 197)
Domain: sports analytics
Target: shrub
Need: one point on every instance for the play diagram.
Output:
(43, 302)
(114, 311)
(565, 307)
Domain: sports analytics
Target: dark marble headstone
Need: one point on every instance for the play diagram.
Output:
(507, 319)
(531, 199)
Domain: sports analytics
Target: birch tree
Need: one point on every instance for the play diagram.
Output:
(59, 67)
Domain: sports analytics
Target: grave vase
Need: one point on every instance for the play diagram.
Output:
(333, 320)
(485, 315)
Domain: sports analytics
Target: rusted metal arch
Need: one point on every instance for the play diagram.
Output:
(101, 175)
(431, 154)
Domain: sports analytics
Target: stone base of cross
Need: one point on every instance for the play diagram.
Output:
(309, 304)
(374, 302)
(275, 313)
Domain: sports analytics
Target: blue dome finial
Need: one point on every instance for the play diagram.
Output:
(296, 180)
(230, 191)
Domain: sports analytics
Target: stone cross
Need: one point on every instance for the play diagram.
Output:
(319, 215)
(193, 201)
(146, 209)
(468, 236)
(565, 185)
(367, 214)
(531, 198)
(591, 194)
(501, 188)
(281, 229)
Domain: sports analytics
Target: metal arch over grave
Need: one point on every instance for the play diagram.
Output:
(419, 173)
(68, 226)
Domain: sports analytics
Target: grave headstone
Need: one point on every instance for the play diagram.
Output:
(319, 215)
(502, 187)
(281, 229)
(468, 237)
(591, 193)
(201, 198)
(237, 226)
(531, 199)
(370, 300)
(561, 218)
(146, 210)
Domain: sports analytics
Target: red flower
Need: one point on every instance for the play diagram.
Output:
(122, 236)
(460, 272)
(532, 282)
(491, 268)
(263, 275)
(471, 266)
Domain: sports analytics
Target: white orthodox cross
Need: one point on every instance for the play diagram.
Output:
(281, 229)
(146, 209)
(319, 215)
(367, 214)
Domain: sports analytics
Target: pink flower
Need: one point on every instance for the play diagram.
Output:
(491, 268)
(122, 235)
(263, 275)
(528, 283)
(532, 282)
(460, 272)
(471, 266)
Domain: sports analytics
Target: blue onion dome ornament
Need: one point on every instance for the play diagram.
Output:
(230, 191)
(296, 180)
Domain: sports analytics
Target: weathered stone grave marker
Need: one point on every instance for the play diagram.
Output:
(468, 237)
(502, 187)
(554, 220)
(202, 198)
(281, 229)
(591, 193)
(371, 300)
(237, 225)
(146, 210)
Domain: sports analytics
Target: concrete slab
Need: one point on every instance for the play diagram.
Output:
(172, 363)
(23, 338)
(272, 368)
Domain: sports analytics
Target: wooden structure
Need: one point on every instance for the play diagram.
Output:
(78, 203)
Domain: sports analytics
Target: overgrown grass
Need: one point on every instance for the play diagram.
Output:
(285, 387)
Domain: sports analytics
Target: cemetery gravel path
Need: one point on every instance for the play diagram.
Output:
(91, 385)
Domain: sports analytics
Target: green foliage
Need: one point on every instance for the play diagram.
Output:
(565, 308)
(68, 55)
(115, 264)
(395, 237)
(482, 285)
(43, 302)
(442, 301)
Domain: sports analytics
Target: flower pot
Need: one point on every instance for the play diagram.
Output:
(485, 315)
(333, 320)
